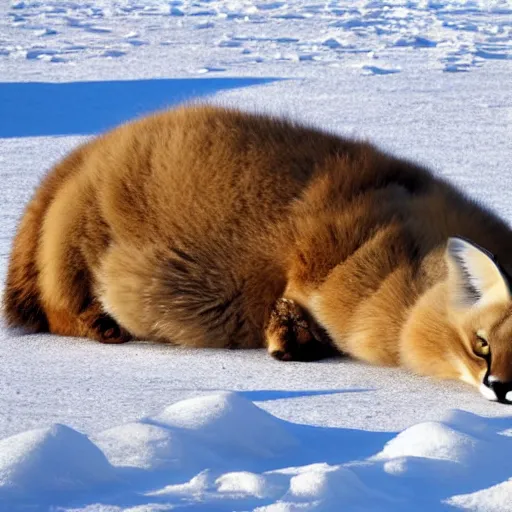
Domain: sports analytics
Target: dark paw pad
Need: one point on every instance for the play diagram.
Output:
(293, 336)
(281, 355)
(109, 331)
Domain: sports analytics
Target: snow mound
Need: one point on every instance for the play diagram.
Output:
(495, 499)
(222, 452)
(462, 448)
(51, 459)
(431, 440)
(245, 483)
(197, 433)
(142, 446)
(227, 420)
(322, 480)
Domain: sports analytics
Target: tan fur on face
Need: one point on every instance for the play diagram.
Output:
(444, 307)
(433, 344)
(500, 340)
(188, 226)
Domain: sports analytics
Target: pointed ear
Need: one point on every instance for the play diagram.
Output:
(473, 275)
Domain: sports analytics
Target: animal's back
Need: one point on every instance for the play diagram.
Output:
(209, 203)
(177, 215)
(188, 225)
(207, 165)
(210, 227)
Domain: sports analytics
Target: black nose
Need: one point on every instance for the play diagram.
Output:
(501, 389)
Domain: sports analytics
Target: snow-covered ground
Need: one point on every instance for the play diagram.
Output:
(143, 427)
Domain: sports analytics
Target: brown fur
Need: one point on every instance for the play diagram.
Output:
(190, 226)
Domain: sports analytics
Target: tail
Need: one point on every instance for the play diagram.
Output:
(21, 300)
(21, 303)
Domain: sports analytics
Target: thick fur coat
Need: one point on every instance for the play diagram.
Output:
(210, 227)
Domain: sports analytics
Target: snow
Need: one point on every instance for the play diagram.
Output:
(145, 427)
(52, 459)
(221, 452)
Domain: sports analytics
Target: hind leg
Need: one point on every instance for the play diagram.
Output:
(293, 335)
(102, 327)
(65, 278)
(92, 323)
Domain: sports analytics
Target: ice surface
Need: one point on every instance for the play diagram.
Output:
(143, 427)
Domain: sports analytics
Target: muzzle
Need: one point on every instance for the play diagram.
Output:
(494, 389)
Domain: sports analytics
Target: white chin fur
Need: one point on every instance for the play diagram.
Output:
(508, 396)
(490, 394)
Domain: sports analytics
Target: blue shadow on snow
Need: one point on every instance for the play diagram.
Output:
(264, 395)
(29, 109)
(423, 486)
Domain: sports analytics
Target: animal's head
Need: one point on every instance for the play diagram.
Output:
(480, 309)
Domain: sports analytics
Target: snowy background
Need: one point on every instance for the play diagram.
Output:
(143, 427)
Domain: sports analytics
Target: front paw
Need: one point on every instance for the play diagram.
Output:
(292, 334)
